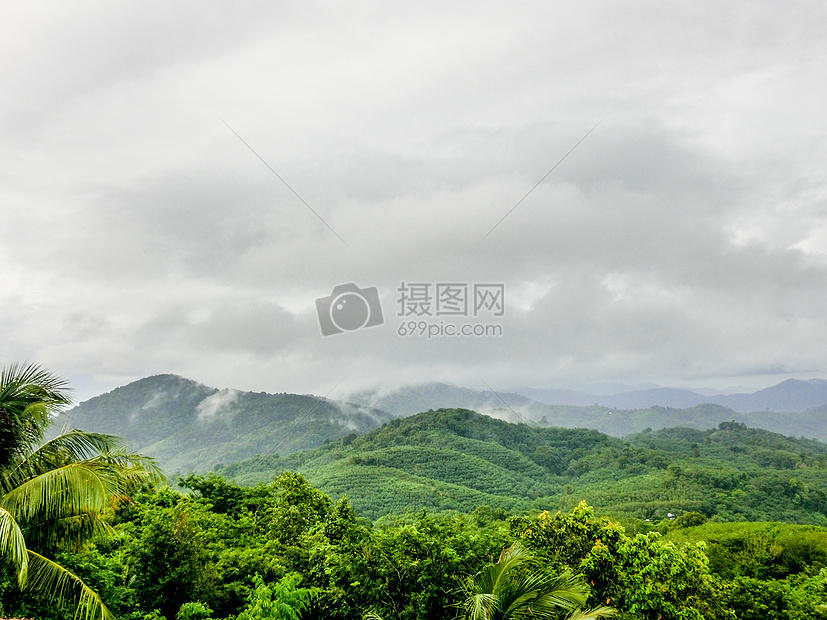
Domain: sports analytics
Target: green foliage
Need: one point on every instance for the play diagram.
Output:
(170, 560)
(455, 459)
(193, 611)
(641, 575)
(298, 507)
(688, 519)
(511, 589)
(759, 550)
(317, 558)
(283, 601)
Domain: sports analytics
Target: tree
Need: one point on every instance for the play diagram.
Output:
(54, 494)
(283, 601)
(641, 575)
(29, 396)
(512, 589)
(171, 559)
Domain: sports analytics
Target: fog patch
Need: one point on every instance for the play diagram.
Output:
(157, 397)
(217, 405)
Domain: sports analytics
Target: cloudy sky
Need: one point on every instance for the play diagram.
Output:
(682, 242)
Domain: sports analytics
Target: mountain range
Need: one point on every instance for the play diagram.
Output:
(789, 395)
(188, 426)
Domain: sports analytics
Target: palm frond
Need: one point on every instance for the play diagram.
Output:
(77, 445)
(593, 614)
(480, 606)
(26, 384)
(565, 591)
(492, 577)
(136, 467)
(60, 584)
(70, 531)
(13, 545)
(85, 486)
(29, 396)
(69, 447)
(517, 587)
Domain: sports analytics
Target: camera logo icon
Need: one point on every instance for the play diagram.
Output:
(349, 308)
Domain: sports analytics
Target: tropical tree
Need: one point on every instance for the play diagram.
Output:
(29, 397)
(55, 493)
(282, 601)
(514, 588)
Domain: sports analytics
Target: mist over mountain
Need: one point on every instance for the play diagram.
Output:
(188, 426)
(631, 399)
(408, 400)
(792, 407)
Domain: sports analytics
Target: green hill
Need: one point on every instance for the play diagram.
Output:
(188, 426)
(456, 459)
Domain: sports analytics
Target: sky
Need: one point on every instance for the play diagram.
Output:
(180, 182)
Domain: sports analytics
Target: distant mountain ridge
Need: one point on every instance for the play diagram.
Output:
(789, 395)
(409, 400)
(624, 413)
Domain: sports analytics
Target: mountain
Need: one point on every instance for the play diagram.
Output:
(560, 396)
(188, 426)
(578, 410)
(456, 459)
(658, 397)
(790, 395)
(620, 422)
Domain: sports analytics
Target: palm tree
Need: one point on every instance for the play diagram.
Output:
(29, 396)
(511, 589)
(55, 493)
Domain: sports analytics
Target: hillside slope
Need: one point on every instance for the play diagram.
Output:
(188, 426)
(455, 459)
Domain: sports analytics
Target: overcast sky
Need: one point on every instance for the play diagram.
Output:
(683, 242)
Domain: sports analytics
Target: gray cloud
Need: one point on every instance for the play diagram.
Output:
(681, 242)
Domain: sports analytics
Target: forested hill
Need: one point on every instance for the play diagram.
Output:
(455, 459)
(188, 426)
